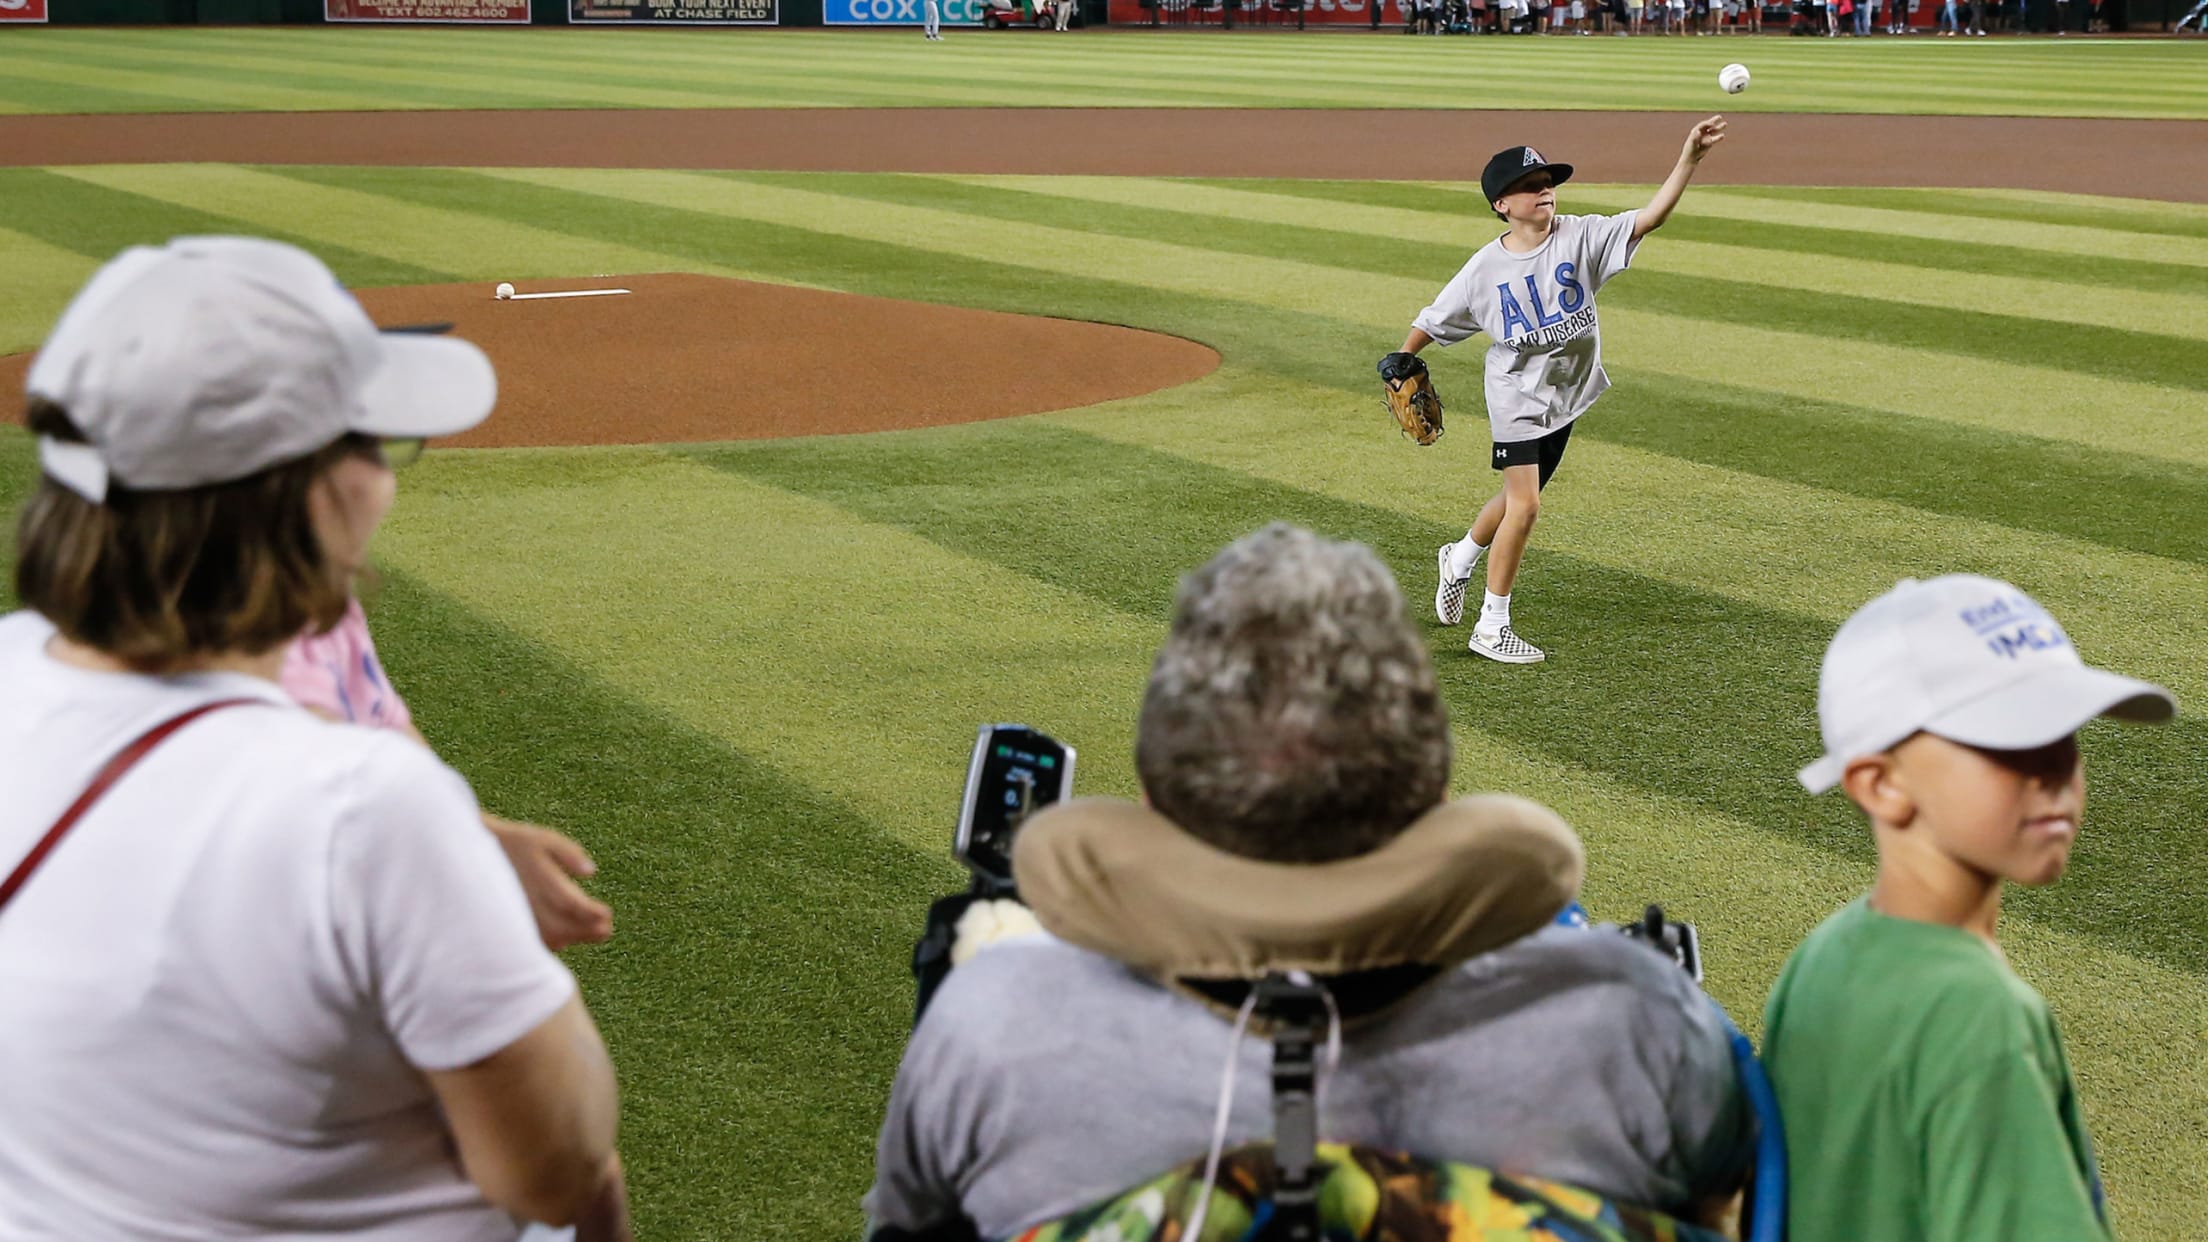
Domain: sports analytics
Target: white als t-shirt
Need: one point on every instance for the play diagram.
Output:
(1545, 366)
(218, 995)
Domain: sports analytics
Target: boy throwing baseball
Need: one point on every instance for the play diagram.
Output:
(1532, 291)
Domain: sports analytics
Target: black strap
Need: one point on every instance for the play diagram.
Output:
(124, 761)
(1297, 1008)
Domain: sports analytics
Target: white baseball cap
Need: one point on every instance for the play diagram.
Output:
(212, 358)
(1970, 659)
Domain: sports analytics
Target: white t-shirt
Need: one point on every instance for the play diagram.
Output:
(1545, 366)
(218, 995)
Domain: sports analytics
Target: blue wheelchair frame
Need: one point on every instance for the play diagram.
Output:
(1766, 1221)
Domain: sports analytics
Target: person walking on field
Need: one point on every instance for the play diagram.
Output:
(262, 975)
(1532, 291)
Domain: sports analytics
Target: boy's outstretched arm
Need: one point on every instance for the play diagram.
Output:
(1700, 139)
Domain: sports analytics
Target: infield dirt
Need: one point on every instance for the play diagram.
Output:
(685, 358)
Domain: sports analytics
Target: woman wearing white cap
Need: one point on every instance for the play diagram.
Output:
(260, 975)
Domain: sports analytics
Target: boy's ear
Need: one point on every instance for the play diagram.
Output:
(1870, 781)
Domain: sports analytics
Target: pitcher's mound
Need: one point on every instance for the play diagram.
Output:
(688, 358)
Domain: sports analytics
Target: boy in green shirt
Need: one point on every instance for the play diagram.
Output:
(1922, 1084)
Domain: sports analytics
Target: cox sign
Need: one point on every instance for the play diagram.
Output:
(891, 12)
(22, 10)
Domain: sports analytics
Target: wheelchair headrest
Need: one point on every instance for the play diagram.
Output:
(1119, 879)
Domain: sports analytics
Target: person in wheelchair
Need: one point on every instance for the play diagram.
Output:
(1294, 753)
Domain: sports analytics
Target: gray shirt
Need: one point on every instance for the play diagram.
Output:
(1046, 1078)
(1544, 365)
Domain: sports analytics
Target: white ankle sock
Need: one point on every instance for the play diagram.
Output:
(1495, 613)
(1463, 555)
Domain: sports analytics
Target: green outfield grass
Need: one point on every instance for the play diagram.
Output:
(747, 674)
(271, 69)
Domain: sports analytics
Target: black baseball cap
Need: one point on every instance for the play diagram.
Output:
(1514, 164)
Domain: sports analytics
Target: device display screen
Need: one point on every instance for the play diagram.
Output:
(1016, 771)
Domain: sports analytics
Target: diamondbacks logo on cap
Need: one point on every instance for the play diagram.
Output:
(2013, 624)
(1532, 157)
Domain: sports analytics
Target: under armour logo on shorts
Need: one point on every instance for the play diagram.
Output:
(1500, 451)
(1533, 157)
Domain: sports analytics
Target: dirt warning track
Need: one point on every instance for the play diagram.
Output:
(2139, 158)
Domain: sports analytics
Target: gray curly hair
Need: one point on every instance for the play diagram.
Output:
(1293, 715)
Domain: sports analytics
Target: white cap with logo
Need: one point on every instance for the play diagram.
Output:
(213, 358)
(1970, 659)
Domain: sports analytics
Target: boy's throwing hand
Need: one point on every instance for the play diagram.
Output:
(1702, 137)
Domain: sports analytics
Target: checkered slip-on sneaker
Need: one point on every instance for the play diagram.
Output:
(1449, 596)
(1505, 646)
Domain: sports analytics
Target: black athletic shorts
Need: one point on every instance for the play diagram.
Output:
(1545, 452)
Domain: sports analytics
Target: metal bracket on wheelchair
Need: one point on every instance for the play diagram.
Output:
(1677, 941)
(1297, 1011)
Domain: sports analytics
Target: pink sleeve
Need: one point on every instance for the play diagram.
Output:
(339, 675)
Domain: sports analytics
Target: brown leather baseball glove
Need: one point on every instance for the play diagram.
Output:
(1411, 396)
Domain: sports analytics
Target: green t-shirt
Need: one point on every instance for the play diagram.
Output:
(1924, 1092)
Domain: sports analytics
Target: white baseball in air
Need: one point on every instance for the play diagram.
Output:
(505, 291)
(1734, 78)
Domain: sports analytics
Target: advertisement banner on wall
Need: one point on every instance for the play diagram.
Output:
(897, 12)
(673, 12)
(1315, 12)
(512, 12)
(22, 10)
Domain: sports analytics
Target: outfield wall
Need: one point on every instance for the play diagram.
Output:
(2137, 14)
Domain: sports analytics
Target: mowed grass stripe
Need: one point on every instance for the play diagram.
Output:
(25, 96)
(1923, 382)
(457, 244)
(1133, 202)
(704, 67)
(398, 86)
(195, 90)
(1778, 233)
(41, 279)
(1152, 70)
(1718, 688)
(755, 993)
(2112, 499)
(2090, 242)
(851, 613)
(2189, 220)
(975, 74)
(960, 79)
(98, 221)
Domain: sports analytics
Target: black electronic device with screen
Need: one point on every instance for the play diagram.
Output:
(1016, 771)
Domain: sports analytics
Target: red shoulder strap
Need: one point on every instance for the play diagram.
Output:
(124, 761)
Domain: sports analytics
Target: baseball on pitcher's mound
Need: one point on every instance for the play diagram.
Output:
(503, 291)
(1734, 78)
